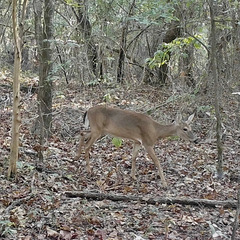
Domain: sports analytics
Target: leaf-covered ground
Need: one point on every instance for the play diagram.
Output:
(35, 206)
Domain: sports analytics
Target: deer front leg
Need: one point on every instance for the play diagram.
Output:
(90, 141)
(136, 148)
(81, 144)
(83, 138)
(151, 153)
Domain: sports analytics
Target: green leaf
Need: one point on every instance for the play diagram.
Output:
(117, 142)
(197, 45)
(107, 97)
(69, 177)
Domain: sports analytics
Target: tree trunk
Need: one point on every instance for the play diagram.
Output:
(85, 28)
(44, 34)
(236, 58)
(216, 91)
(237, 216)
(122, 52)
(186, 67)
(123, 46)
(12, 170)
(172, 33)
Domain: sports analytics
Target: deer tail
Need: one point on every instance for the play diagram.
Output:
(85, 120)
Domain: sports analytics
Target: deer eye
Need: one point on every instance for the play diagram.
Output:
(185, 129)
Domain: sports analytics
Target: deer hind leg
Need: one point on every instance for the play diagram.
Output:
(151, 153)
(136, 148)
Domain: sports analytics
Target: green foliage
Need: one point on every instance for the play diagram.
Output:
(107, 97)
(113, 13)
(72, 3)
(204, 108)
(173, 138)
(207, 109)
(117, 142)
(177, 46)
(154, 12)
(160, 58)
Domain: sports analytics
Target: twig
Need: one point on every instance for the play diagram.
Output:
(19, 202)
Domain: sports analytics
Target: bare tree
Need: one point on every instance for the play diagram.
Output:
(17, 35)
(43, 12)
(217, 86)
(85, 28)
(123, 45)
(236, 221)
(44, 35)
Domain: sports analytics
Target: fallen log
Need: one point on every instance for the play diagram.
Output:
(182, 201)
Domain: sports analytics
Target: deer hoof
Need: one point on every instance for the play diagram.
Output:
(133, 177)
(89, 170)
(165, 186)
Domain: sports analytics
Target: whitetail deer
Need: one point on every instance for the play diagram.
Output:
(130, 125)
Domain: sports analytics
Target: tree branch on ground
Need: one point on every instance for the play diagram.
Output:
(182, 201)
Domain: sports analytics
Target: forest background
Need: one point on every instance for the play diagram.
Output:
(58, 58)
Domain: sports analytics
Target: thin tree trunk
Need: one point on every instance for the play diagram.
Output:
(45, 82)
(12, 170)
(62, 63)
(43, 13)
(122, 52)
(236, 60)
(123, 46)
(85, 28)
(236, 221)
(216, 92)
(39, 125)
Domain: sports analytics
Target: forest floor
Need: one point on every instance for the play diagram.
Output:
(36, 205)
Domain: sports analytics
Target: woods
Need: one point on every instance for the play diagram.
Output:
(159, 59)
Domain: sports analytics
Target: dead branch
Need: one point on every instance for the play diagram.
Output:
(236, 222)
(183, 201)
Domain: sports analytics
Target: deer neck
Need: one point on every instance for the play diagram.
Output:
(164, 131)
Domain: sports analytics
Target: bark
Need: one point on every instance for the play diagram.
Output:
(122, 52)
(44, 34)
(62, 63)
(85, 27)
(236, 58)
(186, 67)
(17, 35)
(183, 201)
(123, 46)
(216, 92)
(12, 170)
(26, 61)
(172, 33)
(236, 221)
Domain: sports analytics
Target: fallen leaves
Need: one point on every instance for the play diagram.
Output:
(34, 206)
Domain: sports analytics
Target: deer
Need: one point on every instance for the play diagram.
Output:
(135, 126)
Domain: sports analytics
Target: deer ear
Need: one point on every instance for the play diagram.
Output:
(190, 119)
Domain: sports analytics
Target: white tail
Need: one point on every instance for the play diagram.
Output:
(134, 126)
